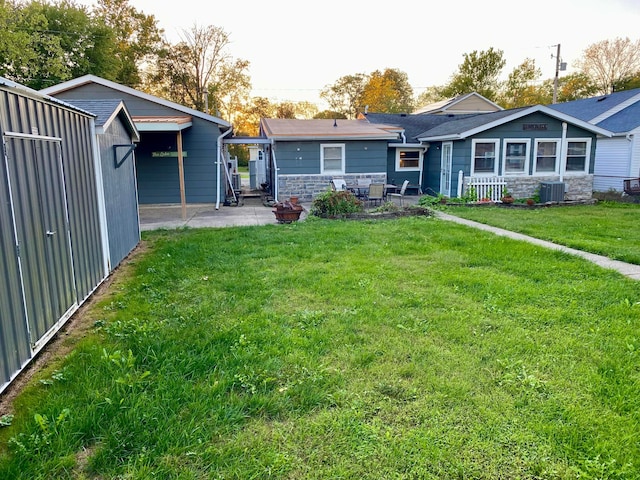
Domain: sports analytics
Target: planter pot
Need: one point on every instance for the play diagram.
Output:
(507, 199)
(287, 215)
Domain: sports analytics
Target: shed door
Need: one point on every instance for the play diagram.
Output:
(40, 210)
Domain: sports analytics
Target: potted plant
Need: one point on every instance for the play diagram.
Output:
(287, 211)
(506, 196)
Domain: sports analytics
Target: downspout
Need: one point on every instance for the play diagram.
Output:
(275, 170)
(425, 149)
(563, 151)
(218, 162)
(102, 204)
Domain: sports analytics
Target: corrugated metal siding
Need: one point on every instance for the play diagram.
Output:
(53, 188)
(612, 164)
(120, 193)
(14, 336)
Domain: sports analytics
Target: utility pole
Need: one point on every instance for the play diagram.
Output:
(559, 66)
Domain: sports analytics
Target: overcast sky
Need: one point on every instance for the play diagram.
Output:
(297, 47)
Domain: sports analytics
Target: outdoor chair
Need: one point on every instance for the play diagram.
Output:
(376, 193)
(338, 184)
(400, 195)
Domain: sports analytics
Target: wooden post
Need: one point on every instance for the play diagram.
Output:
(183, 200)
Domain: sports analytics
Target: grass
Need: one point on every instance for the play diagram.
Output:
(608, 228)
(411, 348)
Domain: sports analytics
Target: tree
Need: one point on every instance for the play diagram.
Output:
(199, 65)
(388, 92)
(479, 72)
(344, 95)
(609, 62)
(518, 90)
(136, 35)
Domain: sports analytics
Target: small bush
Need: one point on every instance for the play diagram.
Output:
(332, 203)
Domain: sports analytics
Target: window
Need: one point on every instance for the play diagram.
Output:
(484, 154)
(577, 155)
(332, 158)
(516, 157)
(546, 156)
(408, 159)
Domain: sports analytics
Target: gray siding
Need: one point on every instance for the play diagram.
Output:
(121, 201)
(50, 206)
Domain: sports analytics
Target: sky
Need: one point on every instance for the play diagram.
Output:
(298, 47)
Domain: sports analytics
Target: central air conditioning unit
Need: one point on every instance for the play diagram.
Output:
(552, 192)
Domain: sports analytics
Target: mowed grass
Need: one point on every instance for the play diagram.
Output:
(412, 348)
(607, 228)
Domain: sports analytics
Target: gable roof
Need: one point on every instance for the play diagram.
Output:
(325, 129)
(463, 128)
(601, 110)
(106, 112)
(86, 79)
(462, 104)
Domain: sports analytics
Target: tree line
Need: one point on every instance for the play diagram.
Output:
(45, 43)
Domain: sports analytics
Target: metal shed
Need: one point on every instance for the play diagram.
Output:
(53, 235)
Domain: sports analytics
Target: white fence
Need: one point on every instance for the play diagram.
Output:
(486, 187)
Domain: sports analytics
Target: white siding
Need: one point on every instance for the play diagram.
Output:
(634, 170)
(612, 163)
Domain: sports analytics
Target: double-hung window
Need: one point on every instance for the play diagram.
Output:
(578, 151)
(546, 156)
(485, 155)
(408, 159)
(332, 158)
(516, 157)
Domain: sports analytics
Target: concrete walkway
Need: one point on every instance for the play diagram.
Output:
(629, 270)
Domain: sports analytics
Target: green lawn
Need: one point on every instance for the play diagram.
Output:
(411, 348)
(608, 228)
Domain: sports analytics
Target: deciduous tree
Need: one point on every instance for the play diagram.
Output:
(345, 94)
(479, 72)
(610, 62)
(388, 92)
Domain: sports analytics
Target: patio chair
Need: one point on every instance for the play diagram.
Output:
(338, 184)
(400, 195)
(376, 193)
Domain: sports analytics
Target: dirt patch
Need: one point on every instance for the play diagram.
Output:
(65, 340)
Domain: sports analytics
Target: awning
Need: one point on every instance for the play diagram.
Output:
(162, 124)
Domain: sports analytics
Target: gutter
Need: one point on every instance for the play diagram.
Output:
(218, 162)
(275, 170)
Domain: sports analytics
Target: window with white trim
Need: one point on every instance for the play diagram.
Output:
(578, 153)
(516, 156)
(332, 158)
(408, 160)
(546, 156)
(484, 154)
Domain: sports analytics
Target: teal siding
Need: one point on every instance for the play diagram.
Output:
(158, 179)
(303, 158)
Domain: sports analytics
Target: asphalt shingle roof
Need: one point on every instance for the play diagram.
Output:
(413, 125)
(102, 108)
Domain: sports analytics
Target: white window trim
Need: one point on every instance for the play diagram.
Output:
(408, 169)
(587, 160)
(558, 142)
(495, 141)
(332, 172)
(527, 154)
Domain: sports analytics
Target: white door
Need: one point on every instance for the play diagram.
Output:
(445, 168)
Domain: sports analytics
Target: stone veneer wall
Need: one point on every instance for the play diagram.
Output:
(578, 187)
(307, 187)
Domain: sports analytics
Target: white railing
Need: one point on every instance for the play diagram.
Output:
(486, 187)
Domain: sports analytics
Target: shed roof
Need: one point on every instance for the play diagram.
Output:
(325, 129)
(86, 79)
(107, 111)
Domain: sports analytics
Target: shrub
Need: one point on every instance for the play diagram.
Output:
(332, 203)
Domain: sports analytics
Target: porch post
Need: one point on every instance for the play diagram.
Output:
(183, 200)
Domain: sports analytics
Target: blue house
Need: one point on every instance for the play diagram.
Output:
(305, 155)
(516, 149)
(178, 159)
(617, 157)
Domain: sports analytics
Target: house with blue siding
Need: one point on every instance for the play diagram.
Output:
(617, 157)
(305, 155)
(518, 149)
(178, 159)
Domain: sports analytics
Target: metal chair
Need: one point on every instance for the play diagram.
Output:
(400, 195)
(338, 184)
(376, 193)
